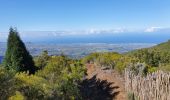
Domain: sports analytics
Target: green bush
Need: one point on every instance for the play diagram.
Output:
(7, 83)
(42, 60)
(165, 68)
(17, 96)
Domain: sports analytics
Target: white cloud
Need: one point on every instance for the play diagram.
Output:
(92, 31)
(152, 29)
(119, 30)
(101, 31)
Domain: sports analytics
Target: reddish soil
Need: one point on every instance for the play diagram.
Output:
(111, 76)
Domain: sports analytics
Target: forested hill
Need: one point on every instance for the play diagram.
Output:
(163, 46)
(157, 56)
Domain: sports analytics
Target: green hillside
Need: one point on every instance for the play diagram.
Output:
(163, 46)
(156, 57)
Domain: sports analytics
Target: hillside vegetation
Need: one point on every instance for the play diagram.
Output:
(163, 46)
(141, 69)
(143, 60)
(44, 77)
(157, 57)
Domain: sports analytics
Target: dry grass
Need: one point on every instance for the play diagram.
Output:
(155, 86)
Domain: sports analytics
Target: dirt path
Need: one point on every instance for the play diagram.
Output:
(111, 76)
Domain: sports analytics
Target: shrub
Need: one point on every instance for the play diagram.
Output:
(17, 96)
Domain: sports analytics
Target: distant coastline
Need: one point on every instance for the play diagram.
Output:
(78, 50)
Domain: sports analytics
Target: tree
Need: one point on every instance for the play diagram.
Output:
(17, 57)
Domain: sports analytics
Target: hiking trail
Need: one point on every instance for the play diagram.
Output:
(111, 76)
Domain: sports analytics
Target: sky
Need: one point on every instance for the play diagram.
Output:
(52, 15)
(84, 16)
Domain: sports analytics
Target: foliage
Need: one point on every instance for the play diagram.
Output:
(124, 62)
(165, 68)
(165, 47)
(42, 60)
(152, 57)
(71, 78)
(91, 58)
(17, 57)
(103, 59)
(7, 83)
(157, 56)
(63, 75)
(111, 60)
(151, 69)
(59, 79)
(108, 59)
(17, 96)
(33, 87)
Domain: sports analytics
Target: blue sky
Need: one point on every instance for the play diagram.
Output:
(54, 15)
(68, 21)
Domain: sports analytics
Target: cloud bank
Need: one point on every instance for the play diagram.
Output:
(153, 29)
(33, 35)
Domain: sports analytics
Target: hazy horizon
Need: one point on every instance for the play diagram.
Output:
(64, 37)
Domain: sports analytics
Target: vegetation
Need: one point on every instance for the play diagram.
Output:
(157, 57)
(142, 61)
(156, 84)
(152, 57)
(62, 78)
(109, 60)
(42, 60)
(163, 46)
(57, 80)
(17, 57)
(57, 77)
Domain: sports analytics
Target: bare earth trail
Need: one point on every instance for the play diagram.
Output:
(111, 76)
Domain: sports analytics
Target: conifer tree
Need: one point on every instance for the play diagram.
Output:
(17, 57)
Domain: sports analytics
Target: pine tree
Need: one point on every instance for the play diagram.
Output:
(17, 57)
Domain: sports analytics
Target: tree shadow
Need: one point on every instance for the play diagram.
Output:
(96, 89)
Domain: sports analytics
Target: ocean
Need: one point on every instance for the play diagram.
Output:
(1, 58)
